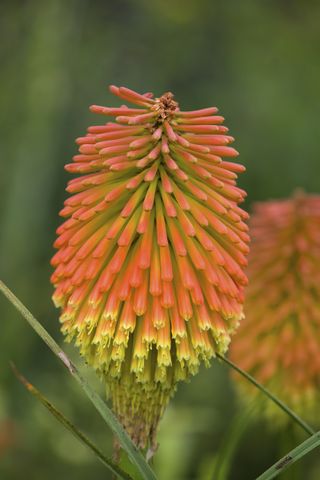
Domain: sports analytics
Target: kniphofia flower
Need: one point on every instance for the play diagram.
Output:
(279, 340)
(149, 268)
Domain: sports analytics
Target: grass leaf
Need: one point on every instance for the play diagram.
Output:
(133, 453)
(295, 454)
(69, 426)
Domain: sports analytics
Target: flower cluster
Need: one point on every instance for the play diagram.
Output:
(149, 268)
(279, 340)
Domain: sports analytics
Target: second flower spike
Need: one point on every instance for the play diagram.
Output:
(279, 340)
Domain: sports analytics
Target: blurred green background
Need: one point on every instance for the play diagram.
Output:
(258, 61)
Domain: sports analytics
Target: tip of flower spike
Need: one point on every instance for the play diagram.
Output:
(168, 104)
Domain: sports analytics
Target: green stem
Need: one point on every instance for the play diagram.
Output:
(126, 443)
(270, 395)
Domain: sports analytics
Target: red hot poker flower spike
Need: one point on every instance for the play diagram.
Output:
(149, 268)
(279, 340)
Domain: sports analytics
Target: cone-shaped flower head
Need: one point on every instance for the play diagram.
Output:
(279, 340)
(149, 268)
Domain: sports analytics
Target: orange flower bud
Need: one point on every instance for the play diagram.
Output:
(279, 340)
(149, 268)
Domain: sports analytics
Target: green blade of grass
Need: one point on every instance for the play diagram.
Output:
(270, 395)
(295, 454)
(115, 469)
(133, 453)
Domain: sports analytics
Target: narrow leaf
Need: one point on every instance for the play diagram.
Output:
(135, 456)
(69, 426)
(295, 454)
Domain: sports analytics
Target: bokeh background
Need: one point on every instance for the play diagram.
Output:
(258, 61)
